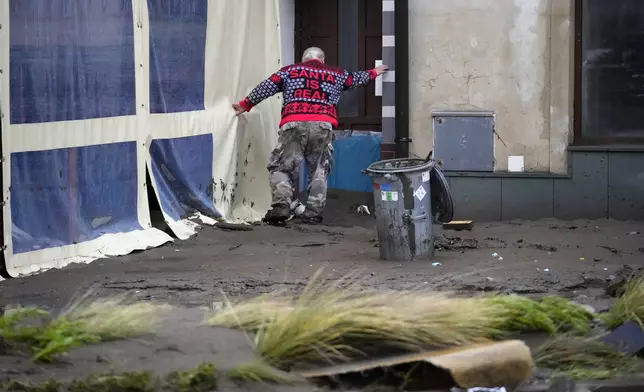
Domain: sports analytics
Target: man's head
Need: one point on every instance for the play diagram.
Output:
(313, 53)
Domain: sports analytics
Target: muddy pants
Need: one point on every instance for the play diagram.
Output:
(310, 141)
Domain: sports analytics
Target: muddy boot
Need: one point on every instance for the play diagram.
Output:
(310, 218)
(277, 215)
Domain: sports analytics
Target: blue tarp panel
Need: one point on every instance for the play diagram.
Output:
(71, 60)
(353, 152)
(182, 170)
(177, 55)
(182, 167)
(66, 196)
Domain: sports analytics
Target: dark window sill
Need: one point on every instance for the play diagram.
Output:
(507, 175)
(608, 148)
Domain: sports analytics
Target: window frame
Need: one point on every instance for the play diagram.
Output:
(578, 138)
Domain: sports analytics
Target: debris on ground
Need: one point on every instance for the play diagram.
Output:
(363, 210)
(233, 226)
(459, 225)
(443, 242)
(588, 281)
(483, 365)
(545, 248)
(628, 338)
(612, 250)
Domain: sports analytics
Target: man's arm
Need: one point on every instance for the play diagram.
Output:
(264, 90)
(362, 78)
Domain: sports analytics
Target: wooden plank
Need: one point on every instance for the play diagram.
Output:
(459, 225)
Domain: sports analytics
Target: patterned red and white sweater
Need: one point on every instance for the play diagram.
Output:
(311, 90)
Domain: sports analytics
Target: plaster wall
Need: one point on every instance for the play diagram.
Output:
(509, 56)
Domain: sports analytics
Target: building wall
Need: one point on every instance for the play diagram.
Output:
(287, 31)
(512, 57)
(602, 183)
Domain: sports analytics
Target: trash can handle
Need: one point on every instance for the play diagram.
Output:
(373, 169)
(408, 219)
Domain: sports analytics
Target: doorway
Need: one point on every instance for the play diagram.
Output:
(350, 33)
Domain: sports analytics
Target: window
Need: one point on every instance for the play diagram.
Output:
(348, 49)
(71, 60)
(177, 55)
(350, 33)
(609, 101)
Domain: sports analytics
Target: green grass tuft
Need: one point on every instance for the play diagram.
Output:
(549, 314)
(201, 379)
(16, 386)
(261, 372)
(45, 337)
(130, 382)
(629, 306)
(331, 323)
(568, 316)
(85, 322)
(584, 358)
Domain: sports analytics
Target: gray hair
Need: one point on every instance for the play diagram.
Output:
(313, 53)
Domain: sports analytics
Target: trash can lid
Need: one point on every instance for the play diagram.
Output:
(405, 165)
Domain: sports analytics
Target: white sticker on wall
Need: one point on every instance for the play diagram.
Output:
(389, 196)
(426, 176)
(420, 193)
(516, 164)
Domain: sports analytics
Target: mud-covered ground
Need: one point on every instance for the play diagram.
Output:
(576, 259)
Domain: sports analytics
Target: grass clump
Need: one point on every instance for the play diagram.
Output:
(201, 379)
(130, 382)
(629, 306)
(126, 382)
(338, 322)
(44, 336)
(259, 371)
(524, 314)
(84, 322)
(568, 315)
(16, 386)
(115, 317)
(584, 358)
(549, 314)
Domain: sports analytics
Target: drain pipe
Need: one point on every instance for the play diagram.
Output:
(402, 79)
(3, 261)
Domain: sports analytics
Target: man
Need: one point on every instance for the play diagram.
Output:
(311, 91)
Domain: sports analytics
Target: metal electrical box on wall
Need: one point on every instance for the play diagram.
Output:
(464, 140)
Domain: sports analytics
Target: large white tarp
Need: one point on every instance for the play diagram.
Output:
(93, 92)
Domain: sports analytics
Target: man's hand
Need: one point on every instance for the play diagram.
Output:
(238, 109)
(381, 69)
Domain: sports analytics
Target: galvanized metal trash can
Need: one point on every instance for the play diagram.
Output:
(402, 195)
